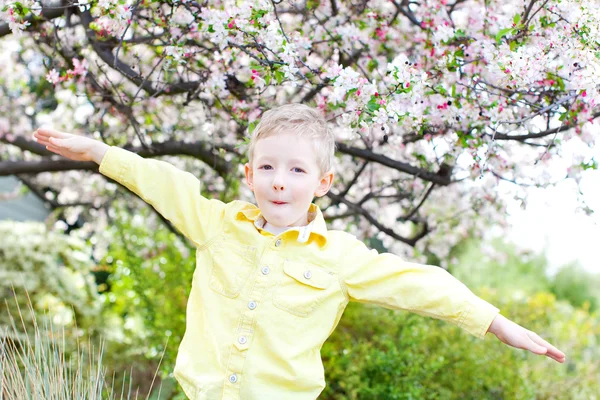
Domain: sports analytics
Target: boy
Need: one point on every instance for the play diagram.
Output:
(271, 282)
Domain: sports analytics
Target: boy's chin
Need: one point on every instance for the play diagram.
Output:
(279, 221)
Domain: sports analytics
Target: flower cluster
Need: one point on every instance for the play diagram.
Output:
(80, 68)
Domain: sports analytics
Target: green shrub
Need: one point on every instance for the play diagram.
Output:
(150, 275)
(54, 269)
(381, 354)
(577, 286)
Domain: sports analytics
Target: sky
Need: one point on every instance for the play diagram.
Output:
(552, 223)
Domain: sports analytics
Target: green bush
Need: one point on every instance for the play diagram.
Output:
(509, 270)
(150, 275)
(49, 270)
(578, 286)
(381, 354)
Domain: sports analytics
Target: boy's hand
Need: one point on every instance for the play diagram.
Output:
(516, 336)
(74, 147)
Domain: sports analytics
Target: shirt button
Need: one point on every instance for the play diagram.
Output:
(242, 339)
(233, 378)
(308, 274)
(252, 305)
(278, 243)
(265, 270)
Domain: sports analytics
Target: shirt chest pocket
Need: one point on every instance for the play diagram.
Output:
(302, 288)
(232, 264)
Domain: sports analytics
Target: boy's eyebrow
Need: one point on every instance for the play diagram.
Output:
(299, 161)
(264, 159)
(292, 160)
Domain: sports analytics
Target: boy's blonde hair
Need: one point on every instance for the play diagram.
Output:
(303, 121)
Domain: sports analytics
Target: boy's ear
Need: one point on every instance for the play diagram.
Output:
(324, 184)
(249, 176)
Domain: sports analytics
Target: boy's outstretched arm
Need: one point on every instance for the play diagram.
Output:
(515, 335)
(174, 193)
(389, 281)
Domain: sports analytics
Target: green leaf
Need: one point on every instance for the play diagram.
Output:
(373, 105)
(517, 19)
(372, 65)
(502, 33)
(279, 76)
(560, 82)
(377, 244)
(313, 4)
(592, 164)
(252, 126)
(441, 90)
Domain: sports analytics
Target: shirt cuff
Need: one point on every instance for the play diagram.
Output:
(479, 317)
(115, 162)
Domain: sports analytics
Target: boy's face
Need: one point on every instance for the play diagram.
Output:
(285, 177)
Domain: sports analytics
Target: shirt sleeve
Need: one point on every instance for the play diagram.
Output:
(174, 193)
(389, 281)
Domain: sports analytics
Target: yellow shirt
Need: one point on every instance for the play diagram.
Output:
(261, 306)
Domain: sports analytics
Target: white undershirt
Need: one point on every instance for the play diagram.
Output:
(275, 230)
(303, 231)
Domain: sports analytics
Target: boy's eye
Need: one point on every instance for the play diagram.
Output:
(299, 170)
(267, 167)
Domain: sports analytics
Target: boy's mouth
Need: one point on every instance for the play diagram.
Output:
(278, 202)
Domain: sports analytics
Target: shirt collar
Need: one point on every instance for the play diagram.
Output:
(316, 225)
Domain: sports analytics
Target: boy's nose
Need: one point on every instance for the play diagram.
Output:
(278, 183)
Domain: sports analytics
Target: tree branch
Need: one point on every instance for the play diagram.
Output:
(104, 51)
(388, 231)
(412, 213)
(28, 145)
(394, 164)
(48, 13)
(35, 167)
(198, 150)
(521, 138)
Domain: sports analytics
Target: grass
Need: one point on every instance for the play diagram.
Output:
(38, 365)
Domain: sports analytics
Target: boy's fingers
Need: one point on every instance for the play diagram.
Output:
(558, 355)
(57, 142)
(552, 351)
(49, 132)
(537, 349)
(43, 142)
(53, 149)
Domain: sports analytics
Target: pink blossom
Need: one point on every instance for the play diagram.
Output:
(79, 67)
(53, 77)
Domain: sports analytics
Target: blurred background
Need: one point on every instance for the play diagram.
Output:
(466, 137)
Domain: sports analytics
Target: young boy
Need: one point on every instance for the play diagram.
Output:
(271, 282)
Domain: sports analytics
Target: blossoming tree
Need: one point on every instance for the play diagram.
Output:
(433, 103)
